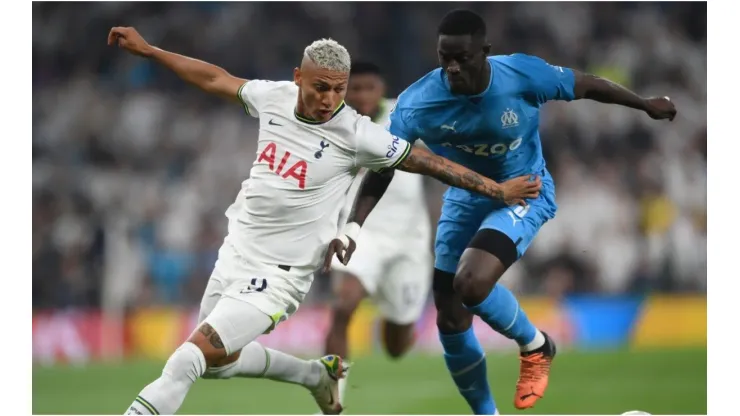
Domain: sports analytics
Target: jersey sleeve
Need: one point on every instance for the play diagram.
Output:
(253, 95)
(377, 148)
(400, 123)
(546, 82)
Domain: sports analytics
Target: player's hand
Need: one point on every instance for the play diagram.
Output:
(660, 108)
(343, 253)
(128, 38)
(516, 190)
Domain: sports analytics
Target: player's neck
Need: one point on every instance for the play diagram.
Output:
(484, 80)
(300, 113)
(300, 110)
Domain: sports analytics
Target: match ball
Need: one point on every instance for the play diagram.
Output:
(635, 412)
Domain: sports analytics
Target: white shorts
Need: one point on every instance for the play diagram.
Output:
(269, 289)
(397, 274)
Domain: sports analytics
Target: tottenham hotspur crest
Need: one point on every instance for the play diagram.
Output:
(320, 152)
(509, 119)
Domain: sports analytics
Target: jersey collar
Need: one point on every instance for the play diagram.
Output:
(307, 120)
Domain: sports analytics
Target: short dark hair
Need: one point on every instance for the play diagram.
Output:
(364, 67)
(462, 22)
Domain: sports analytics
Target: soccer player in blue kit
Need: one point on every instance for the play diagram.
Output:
(483, 112)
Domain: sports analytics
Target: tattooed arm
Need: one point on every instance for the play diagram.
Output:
(514, 191)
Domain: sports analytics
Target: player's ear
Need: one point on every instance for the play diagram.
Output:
(486, 49)
(297, 76)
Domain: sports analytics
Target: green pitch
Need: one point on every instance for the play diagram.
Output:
(660, 382)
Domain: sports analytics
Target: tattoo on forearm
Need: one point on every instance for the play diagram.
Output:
(451, 174)
(212, 335)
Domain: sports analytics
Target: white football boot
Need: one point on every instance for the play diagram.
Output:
(326, 393)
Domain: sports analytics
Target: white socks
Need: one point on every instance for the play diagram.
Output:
(343, 386)
(538, 341)
(166, 394)
(289, 369)
(257, 361)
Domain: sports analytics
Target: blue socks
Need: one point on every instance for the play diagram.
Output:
(501, 311)
(466, 362)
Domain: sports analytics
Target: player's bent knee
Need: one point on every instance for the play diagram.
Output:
(488, 256)
(452, 317)
(186, 364)
(209, 343)
(343, 314)
(452, 323)
(472, 285)
(345, 307)
(397, 339)
(227, 360)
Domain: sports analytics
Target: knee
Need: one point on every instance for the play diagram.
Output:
(398, 339)
(452, 317)
(218, 368)
(210, 345)
(395, 353)
(473, 285)
(450, 323)
(187, 363)
(342, 315)
(396, 350)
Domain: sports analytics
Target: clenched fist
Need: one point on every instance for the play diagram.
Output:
(660, 108)
(128, 38)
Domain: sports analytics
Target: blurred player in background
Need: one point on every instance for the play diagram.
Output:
(285, 217)
(393, 262)
(483, 112)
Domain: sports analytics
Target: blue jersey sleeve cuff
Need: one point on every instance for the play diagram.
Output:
(569, 82)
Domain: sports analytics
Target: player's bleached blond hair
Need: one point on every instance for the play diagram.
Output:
(328, 54)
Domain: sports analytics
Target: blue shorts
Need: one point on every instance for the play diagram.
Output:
(465, 213)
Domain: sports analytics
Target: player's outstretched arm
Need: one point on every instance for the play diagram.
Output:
(602, 90)
(208, 77)
(512, 192)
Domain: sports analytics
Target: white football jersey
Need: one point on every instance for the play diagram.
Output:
(402, 212)
(287, 212)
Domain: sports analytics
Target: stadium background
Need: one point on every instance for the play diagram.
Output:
(132, 171)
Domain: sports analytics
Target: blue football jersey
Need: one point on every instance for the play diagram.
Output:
(495, 133)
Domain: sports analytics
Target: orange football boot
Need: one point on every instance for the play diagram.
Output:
(534, 373)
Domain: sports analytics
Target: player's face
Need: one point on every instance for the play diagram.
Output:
(322, 91)
(365, 93)
(463, 58)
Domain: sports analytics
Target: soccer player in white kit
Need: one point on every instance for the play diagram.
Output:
(393, 262)
(285, 218)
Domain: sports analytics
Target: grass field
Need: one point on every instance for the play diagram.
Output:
(660, 382)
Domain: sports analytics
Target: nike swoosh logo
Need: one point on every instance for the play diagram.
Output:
(273, 123)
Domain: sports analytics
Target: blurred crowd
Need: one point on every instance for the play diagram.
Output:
(133, 169)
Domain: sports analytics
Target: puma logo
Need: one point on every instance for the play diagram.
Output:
(528, 395)
(514, 218)
(448, 127)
